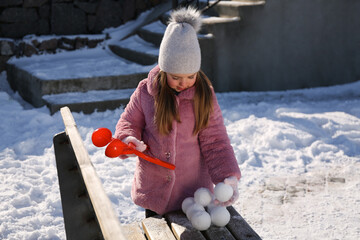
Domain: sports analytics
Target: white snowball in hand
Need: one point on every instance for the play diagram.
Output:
(192, 209)
(203, 196)
(220, 216)
(223, 192)
(201, 220)
(187, 203)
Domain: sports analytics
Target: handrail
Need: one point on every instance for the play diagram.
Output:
(208, 6)
(107, 219)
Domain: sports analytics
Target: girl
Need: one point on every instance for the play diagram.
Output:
(176, 113)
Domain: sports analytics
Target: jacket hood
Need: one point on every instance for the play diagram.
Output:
(153, 90)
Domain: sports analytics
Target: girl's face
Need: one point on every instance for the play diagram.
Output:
(180, 82)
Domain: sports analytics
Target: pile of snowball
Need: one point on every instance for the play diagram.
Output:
(201, 209)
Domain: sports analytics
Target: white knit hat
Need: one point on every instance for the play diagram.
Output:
(179, 49)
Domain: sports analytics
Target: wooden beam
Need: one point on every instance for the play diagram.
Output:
(79, 215)
(133, 231)
(182, 227)
(239, 228)
(108, 221)
(216, 233)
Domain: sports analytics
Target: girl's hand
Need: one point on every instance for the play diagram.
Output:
(233, 182)
(139, 145)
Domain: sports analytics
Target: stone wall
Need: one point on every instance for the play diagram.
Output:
(60, 17)
(27, 48)
(65, 17)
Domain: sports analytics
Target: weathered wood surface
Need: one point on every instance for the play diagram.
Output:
(156, 228)
(218, 233)
(182, 228)
(236, 229)
(79, 216)
(108, 221)
(133, 231)
(239, 228)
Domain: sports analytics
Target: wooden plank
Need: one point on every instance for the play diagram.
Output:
(108, 221)
(133, 231)
(79, 215)
(218, 233)
(182, 228)
(239, 228)
(156, 228)
(75, 138)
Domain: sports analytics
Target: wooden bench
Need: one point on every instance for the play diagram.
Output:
(88, 213)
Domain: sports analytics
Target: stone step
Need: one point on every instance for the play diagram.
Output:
(95, 69)
(143, 48)
(65, 79)
(153, 32)
(131, 27)
(88, 102)
(247, 1)
(137, 50)
(32, 88)
(232, 8)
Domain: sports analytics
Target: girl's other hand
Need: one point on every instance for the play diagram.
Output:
(139, 145)
(233, 182)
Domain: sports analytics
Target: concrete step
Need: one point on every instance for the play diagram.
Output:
(98, 78)
(153, 32)
(88, 102)
(131, 27)
(137, 50)
(232, 8)
(95, 69)
(143, 48)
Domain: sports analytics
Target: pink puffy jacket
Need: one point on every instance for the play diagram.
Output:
(201, 160)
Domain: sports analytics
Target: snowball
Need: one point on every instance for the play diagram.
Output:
(211, 206)
(220, 216)
(192, 209)
(201, 220)
(223, 192)
(203, 196)
(187, 203)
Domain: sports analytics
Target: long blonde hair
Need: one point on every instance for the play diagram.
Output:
(166, 110)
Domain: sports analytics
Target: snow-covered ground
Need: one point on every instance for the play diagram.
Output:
(299, 153)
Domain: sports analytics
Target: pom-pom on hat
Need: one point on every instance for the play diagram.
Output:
(179, 49)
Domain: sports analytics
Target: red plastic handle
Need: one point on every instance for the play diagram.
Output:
(154, 160)
(103, 136)
(150, 159)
